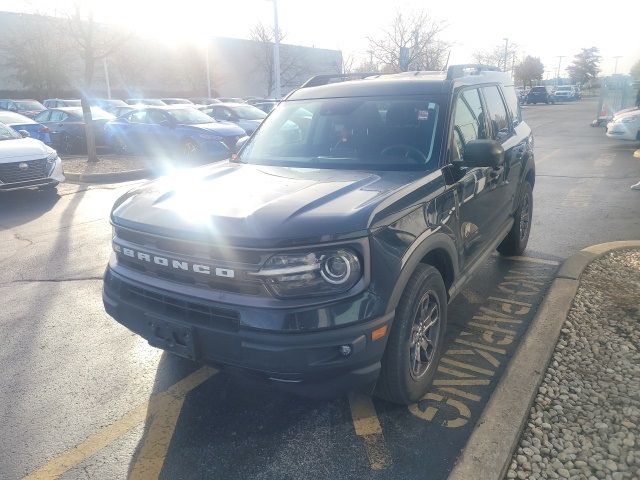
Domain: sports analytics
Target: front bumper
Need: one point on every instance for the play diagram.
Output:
(310, 363)
(621, 131)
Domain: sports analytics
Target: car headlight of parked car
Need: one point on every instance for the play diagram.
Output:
(52, 158)
(311, 273)
(210, 136)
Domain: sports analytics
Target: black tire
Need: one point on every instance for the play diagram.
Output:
(50, 189)
(400, 381)
(516, 240)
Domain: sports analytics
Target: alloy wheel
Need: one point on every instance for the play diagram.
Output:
(424, 335)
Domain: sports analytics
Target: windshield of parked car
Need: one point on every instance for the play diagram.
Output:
(29, 105)
(96, 113)
(176, 101)
(563, 89)
(367, 133)
(538, 89)
(8, 133)
(189, 116)
(12, 117)
(249, 113)
(72, 103)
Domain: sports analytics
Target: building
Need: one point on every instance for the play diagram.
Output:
(41, 58)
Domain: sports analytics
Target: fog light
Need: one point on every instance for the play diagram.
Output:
(345, 350)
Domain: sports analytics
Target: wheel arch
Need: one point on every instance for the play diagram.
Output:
(437, 250)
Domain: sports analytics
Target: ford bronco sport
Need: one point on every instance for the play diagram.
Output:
(322, 258)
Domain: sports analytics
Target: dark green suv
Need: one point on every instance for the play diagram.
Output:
(323, 257)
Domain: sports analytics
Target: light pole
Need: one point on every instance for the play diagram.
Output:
(506, 48)
(206, 52)
(560, 57)
(276, 50)
(106, 77)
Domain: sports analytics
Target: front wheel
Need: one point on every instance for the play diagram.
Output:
(416, 339)
(516, 240)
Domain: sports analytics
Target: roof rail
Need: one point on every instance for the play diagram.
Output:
(456, 71)
(318, 80)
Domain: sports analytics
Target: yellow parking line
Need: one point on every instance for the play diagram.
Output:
(97, 441)
(367, 426)
(541, 261)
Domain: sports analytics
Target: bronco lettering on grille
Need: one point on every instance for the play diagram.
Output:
(174, 264)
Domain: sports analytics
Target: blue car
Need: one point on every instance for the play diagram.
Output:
(20, 122)
(170, 130)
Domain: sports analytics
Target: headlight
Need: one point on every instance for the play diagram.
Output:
(311, 274)
(209, 136)
(51, 158)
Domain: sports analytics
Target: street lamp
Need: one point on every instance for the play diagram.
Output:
(560, 57)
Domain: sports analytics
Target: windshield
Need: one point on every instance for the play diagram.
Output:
(249, 113)
(29, 105)
(11, 117)
(176, 101)
(563, 89)
(8, 133)
(354, 133)
(72, 103)
(538, 89)
(189, 116)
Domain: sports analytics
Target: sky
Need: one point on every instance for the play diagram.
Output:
(543, 28)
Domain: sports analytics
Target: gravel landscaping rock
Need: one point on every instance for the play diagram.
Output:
(112, 163)
(584, 421)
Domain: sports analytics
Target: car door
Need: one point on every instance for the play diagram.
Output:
(475, 188)
(505, 182)
(137, 131)
(162, 131)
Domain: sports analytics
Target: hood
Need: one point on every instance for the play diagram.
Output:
(250, 205)
(23, 149)
(222, 129)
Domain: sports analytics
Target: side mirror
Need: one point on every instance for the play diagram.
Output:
(483, 153)
(24, 133)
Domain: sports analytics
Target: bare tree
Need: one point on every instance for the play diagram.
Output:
(292, 65)
(94, 42)
(530, 69)
(411, 42)
(38, 55)
(496, 58)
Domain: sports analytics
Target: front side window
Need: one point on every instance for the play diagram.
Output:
(8, 133)
(468, 121)
(511, 97)
(497, 113)
(58, 116)
(378, 133)
(189, 116)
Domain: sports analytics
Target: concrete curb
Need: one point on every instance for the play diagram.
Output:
(488, 452)
(108, 177)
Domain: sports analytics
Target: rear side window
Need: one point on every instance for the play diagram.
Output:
(58, 116)
(512, 103)
(497, 113)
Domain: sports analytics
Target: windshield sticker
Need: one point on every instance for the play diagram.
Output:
(423, 114)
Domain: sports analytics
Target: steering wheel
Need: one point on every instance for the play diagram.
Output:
(409, 152)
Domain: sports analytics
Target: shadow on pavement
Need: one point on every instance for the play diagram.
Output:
(22, 206)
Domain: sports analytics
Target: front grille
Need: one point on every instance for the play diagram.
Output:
(192, 312)
(240, 260)
(12, 173)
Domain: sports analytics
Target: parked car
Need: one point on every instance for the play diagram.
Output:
(119, 111)
(540, 95)
(245, 116)
(22, 123)
(67, 127)
(266, 107)
(625, 125)
(324, 257)
(565, 93)
(108, 104)
(59, 102)
(173, 129)
(28, 108)
(230, 100)
(26, 162)
(176, 101)
(204, 101)
(156, 102)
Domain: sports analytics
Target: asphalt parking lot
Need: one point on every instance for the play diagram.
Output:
(82, 397)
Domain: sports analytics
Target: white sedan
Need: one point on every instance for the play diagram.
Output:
(27, 162)
(625, 125)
